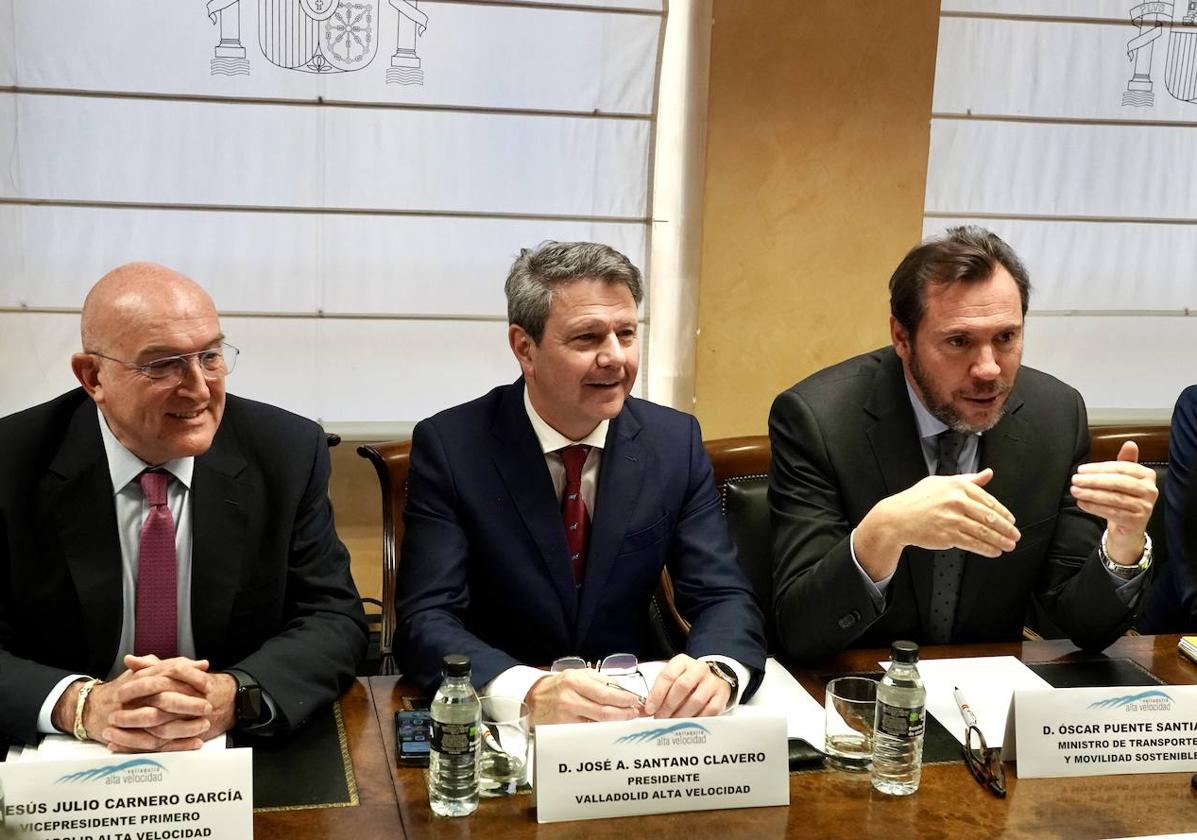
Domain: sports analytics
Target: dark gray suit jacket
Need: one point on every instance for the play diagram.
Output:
(270, 590)
(846, 437)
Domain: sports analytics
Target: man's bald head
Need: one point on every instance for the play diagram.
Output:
(127, 296)
(141, 313)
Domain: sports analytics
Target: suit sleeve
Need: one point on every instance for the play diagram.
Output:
(1173, 603)
(820, 601)
(315, 657)
(24, 684)
(433, 590)
(711, 589)
(1075, 587)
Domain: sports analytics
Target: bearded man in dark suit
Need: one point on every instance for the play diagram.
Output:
(931, 489)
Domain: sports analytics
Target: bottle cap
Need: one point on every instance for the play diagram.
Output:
(904, 652)
(455, 665)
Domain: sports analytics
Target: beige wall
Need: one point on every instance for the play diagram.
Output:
(357, 504)
(816, 166)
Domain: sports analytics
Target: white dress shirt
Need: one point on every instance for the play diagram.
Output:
(131, 509)
(517, 681)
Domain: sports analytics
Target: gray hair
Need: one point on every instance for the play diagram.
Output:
(537, 274)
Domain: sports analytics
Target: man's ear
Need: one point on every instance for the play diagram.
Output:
(900, 338)
(86, 368)
(522, 346)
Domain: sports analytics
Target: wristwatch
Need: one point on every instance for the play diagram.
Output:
(724, 672)
(249, 709)
(1125, 572)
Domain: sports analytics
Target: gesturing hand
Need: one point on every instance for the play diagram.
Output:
(1123, 493)
(940, 512)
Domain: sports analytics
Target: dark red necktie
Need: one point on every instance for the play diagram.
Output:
(157, 592)
(573, 508)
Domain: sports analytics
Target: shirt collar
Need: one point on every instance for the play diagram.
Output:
(929, 425)
(124, 466)
(551, 440)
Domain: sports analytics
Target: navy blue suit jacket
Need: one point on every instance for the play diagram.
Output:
(485, 568)
(1172, 607)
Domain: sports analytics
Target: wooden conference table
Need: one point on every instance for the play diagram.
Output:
(823, 804)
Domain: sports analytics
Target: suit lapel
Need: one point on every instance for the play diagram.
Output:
(620, 479)
(219, 537)
(1003, 448)
(521, 464)
(79, 491)
(894, 438)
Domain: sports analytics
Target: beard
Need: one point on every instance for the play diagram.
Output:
(942, 408)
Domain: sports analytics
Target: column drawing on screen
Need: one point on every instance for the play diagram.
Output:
(228, 58)
(405, 64)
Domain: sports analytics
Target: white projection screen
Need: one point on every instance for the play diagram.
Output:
(350, 179)
(1069, 127)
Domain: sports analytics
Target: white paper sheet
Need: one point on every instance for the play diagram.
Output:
(66, 748)
(987, 683)
(780, 692)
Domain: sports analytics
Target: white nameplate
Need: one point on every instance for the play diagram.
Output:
(595, 770)
(1106, 731)
(130, 797)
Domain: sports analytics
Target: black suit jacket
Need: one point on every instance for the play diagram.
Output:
(485, 568)
(846, 437)
(271, 592)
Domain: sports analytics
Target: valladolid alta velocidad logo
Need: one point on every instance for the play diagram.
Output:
(1145, 701)
(134, 771)
(686, 733)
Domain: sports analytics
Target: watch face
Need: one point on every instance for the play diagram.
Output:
(725, 673)
(249, 704)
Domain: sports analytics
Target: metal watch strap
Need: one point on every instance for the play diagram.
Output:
(1125, 572)
(81, 705)
(725, 673)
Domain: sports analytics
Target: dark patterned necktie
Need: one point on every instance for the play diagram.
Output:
(573, 508)
(157, 591)
(948, 566)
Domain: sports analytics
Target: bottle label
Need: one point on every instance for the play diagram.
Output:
(900, 722)
(454, 738)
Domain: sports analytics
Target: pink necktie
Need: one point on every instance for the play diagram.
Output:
(157, 592)
(573, 508)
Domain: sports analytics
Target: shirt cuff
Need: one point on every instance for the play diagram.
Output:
(516, 682)
(740, 671)
(876, 587)
(45, 717)
(1127, 590)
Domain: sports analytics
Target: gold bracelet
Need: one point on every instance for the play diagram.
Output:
(80, 730)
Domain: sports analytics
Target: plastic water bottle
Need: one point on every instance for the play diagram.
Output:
(453, 758)
(900, 720)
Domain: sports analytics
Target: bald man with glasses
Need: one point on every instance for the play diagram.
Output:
(169, 567)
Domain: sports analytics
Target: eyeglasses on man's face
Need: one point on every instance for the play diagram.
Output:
(214, 363)
(984, 762)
